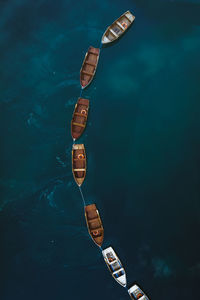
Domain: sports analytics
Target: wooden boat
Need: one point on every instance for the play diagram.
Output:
(79, 118)
(94, 224)
(136, 293)
(78, 163)
(89, 66)
(115, 266)
(114, 31)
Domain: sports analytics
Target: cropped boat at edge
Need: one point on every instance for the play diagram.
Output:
(89, 66)
(115, 266)
(94, 224)
(79, 118)
(136, 293)
(78, 163)
(117, 29)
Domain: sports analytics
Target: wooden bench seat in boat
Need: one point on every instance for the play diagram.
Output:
(78, 124)
(94, 51)
(94, 225)
(113, 33)
(80, 114)
(120, 25)
(90, 63)
(87, 73)
(91, 214)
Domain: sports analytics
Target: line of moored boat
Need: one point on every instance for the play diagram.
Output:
(78, 124)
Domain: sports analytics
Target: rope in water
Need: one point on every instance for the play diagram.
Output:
(84, 204)
(81, 93)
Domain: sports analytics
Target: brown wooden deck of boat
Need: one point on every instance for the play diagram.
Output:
(79, 118)
(94, 224)
(89, 66)
(78, 163)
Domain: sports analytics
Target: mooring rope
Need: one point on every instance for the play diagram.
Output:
(81, 93)
(82, 196)
(100, 45)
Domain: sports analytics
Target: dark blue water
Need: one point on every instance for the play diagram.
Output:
(142, 143)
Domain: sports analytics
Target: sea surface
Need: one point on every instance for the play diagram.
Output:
(142, 142)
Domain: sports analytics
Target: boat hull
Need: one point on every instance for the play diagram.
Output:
(94, 224)
(115, 266)
(136, 293)
(118, 28)
(89, 66)
(79, 118)
(78, 163)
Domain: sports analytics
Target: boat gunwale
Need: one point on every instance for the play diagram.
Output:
(114, 272)
(84, 116)
(75, 178)
(117, 20)
(101, 225)
(84, 62)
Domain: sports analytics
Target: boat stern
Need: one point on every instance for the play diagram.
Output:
(98, 240)
(136, 293)
(130, 16)
(84, 84)
(105, 40)
(78, 147)
(75, 135)
(107, 250)
(122, 280)
(79, 181)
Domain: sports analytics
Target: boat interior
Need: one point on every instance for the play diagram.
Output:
(79, 118)
(138, 294)
(119, 273)
(79, 164)
(89, 66)
(110, 257)
(114, 264)
(118, 27)
(94, 223)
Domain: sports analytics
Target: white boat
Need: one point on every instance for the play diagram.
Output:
(117, 28)
(114, 265)
(136, 293)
